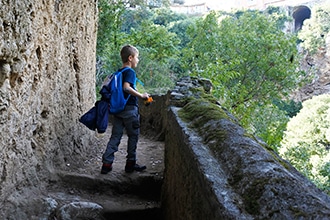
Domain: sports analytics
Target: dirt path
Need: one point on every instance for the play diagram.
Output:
(149, 153)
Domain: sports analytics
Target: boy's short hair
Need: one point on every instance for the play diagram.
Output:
(127, 51)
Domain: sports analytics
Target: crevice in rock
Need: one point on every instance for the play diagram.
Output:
(4, 71)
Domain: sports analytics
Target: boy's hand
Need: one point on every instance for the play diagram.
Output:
(148, 101)
(145, 96)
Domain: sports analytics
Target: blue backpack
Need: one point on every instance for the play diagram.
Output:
(112, 92)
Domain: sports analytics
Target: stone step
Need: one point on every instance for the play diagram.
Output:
(120, 195)
(144, 185)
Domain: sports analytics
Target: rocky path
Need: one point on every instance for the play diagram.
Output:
(149, 153)
(121, 195)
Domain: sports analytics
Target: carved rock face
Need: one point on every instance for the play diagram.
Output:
(47, 65)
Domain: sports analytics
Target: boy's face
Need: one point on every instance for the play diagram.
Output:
(134, 60)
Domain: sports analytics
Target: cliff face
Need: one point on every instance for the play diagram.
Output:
(47, 66)
(318, 67)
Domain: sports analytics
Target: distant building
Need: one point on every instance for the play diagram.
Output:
(263, 4)
(195, 9)
(226, 5)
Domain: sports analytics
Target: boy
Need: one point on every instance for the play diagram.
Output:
(128, 119)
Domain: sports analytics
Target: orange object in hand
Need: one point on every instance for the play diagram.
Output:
(148, 101)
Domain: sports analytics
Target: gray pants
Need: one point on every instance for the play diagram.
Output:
(130, 120)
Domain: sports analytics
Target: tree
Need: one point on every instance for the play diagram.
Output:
(250, 62)
(158, 49)
(306, 143)
(119, 24)
(109, 37)
(180, 28)
(110, 23)
(134, 18)
(164, 16)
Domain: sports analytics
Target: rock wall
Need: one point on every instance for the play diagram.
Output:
(317, 66)
(47, 66)
(215, 170)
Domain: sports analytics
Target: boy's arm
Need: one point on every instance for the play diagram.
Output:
(127, 88)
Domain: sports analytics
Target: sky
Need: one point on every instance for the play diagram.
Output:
(214, 4)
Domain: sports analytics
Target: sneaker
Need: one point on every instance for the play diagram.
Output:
(133, 166)
(106, 168)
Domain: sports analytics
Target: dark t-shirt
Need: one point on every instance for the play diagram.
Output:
(129, 76)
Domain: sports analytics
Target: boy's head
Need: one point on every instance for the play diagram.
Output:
(128, 52)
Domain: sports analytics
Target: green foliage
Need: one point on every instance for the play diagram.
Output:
(133, 18)
(109, 37)
(158, 47)
(306, 143)
(278, 16)
(267, 122)
(291, 108)
(316, 29)
(164, 16)
(249, 60)
(156, 39)
(180, 29)
(109, 25)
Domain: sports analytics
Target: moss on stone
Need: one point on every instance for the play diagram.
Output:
(199, 92)
(198, 112)
(200, 109)
(277, 158)
(218, 134)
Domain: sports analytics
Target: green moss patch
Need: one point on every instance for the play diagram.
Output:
(200, 110)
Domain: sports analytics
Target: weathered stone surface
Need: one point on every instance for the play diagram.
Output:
(318, 66)
(215, 170)
(47, 66)
(80, 210)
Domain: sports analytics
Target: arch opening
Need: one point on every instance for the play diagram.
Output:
(300, 14)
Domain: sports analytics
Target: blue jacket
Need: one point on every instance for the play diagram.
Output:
(97, 117)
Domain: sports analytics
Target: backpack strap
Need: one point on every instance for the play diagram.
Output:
(137, 79)
(125, 68)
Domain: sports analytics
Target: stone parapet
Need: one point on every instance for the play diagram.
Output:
(215, 170)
